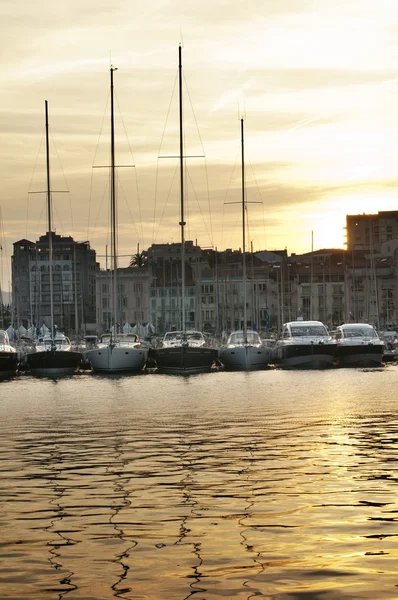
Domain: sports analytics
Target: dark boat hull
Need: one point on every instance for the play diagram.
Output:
(184, 359)
(8, 364)
(360, 355)
(54, 362)
(307, 356)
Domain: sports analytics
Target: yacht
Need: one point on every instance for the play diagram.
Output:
(305, 344)
(184, 352)
(53, 355)
(358, 345)
(244, 351)
(117, 353)
(8, 356)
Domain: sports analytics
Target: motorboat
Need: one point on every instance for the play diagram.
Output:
(53, 355)
(8, 356)
(244, 351)
(184, 352)
(117, 353)
(305, 344)
(390, 339)
(358, 345)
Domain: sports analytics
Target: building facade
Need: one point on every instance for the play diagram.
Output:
(73, 283)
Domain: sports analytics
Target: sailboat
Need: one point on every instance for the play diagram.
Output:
(116, 352)
(52, 354)
(244, 350)
(183, 352)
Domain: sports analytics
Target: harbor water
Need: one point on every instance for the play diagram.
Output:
(271, 484)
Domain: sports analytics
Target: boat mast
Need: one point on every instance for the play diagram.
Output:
(243, 236)
(113, 208)
(50, 240)
(182, 222)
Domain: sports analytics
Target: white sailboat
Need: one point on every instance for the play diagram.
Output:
(116, 352)
(244, 350)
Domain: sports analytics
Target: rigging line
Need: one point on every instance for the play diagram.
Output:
(105, 193)
(54, 146)
(159, 152)
(121, 188)
(141, 234)
(227, 191)
(166, 201)
(31, 181)
(200, 208)
(204, 154)
(94, 159)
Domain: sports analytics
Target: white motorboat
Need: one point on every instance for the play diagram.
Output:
(305, 344)
(116, 352)
(358, 345)
(244, 351)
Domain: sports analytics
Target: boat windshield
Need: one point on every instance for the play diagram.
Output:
(309, 331)
(251, 336)
(4, 340)
(177, 336)
(354, 332)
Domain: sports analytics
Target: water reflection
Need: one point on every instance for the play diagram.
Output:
(271, 484)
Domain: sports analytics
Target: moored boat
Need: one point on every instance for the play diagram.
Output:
(305, 344)
(244, 351)
(116, 353)
(184, 352)
(53, 355)
(8, 356)
(358, 345)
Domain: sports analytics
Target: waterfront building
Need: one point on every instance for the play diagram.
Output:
(370, 231)
(73, 283)
(133, 297)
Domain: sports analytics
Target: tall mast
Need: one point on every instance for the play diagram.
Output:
(243, 236)
(182, 222)
(50, 237)
(113, 208)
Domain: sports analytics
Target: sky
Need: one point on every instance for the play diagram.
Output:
(316, 82)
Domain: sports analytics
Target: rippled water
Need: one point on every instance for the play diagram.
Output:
(279, 485)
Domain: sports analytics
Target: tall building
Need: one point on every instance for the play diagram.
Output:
(369, 231)
(74, 270)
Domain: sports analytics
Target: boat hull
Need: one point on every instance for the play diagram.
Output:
(53, 362)
(359, 355)
(184, 359)
(117, 359)
(306, 356)
(244, 358)
(8, 363)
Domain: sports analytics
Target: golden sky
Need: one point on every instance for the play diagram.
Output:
(315, 79)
